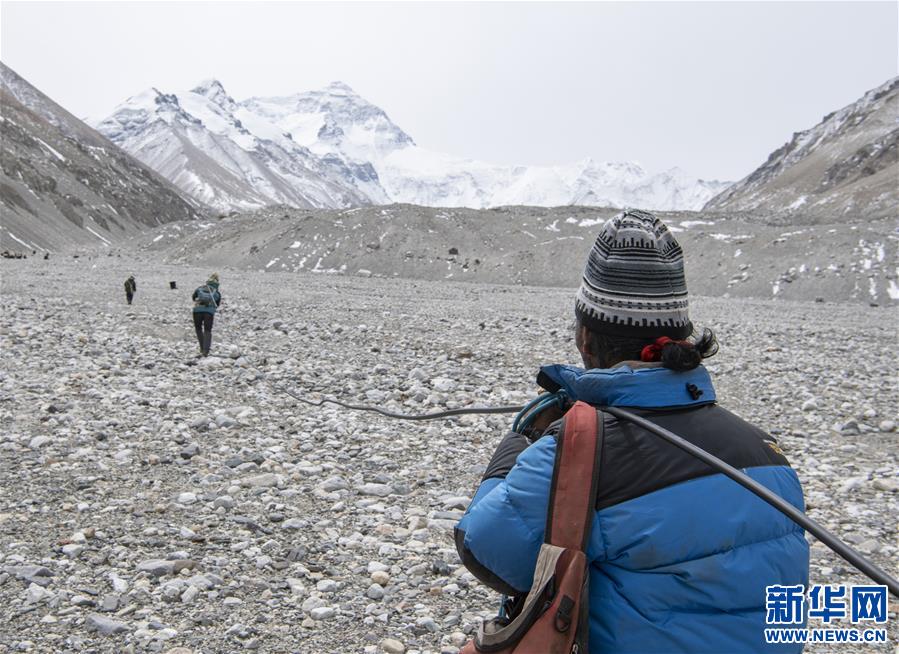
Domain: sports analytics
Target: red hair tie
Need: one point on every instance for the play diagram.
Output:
(653, 351)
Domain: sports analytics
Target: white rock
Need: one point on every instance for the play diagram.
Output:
(443, 384)
(35, 594)
(322, 613)
(380, 577)
(392, 646)
(378, 490)
(264, 480)
(72, 550)
(889, 485)
(189, 595)
(326, 586)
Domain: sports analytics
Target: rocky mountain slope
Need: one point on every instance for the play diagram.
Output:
(726, 255)
(62, 183)
(332, 148)
(847, 166)
(156, 503)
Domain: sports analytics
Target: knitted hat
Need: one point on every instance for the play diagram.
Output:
(634, 280)
(214, 278)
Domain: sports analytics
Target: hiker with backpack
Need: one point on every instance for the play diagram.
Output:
(130, 288)
(207, 299)
(676, 556)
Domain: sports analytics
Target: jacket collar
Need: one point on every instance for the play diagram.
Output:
(631, 384)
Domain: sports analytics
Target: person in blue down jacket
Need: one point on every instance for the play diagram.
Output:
(680, 555)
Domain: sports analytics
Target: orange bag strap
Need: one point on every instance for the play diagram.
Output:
(572, 496)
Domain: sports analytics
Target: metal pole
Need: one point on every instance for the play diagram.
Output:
(797, 516)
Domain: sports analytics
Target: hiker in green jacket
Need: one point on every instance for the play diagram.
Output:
(207, 299)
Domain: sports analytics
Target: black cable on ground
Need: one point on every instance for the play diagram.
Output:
(437, 415)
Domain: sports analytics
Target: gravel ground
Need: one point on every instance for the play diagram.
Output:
(154, 501)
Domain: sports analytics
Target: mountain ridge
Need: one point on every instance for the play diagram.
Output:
(62, 183)
(848, 162)
(358, 148)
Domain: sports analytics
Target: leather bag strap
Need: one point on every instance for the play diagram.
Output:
(572, 497)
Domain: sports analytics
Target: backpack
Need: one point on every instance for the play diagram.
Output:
(554, 616)
(205, 297)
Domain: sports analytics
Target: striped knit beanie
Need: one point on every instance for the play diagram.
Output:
(634, 282)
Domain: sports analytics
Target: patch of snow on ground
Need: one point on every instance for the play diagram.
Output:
(52, 151)
(799, 202)
(554, 227)
(893, 290)
(15, 238)
(272, 262)
(105, 241)
(591, 222)
(159, 238)
(295, 245)
(729, 237)
(687, 224)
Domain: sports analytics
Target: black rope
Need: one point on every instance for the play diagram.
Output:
(797, 516)
(437, 415)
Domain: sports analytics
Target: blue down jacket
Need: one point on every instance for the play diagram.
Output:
(680, 557)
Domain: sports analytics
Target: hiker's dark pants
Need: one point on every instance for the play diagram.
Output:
(129, 296)
(203, 325)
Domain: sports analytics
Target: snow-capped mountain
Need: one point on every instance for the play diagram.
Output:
(332, 148)
(62, 184)
(196, 140)
(335, 121)
(845, 166)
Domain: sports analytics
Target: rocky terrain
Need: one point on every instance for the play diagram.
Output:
(846, 165)
(63, 184)
(727, 254)
(153, 501)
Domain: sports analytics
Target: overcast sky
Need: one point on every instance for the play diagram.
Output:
(711, 87)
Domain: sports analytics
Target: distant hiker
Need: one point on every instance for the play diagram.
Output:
(207, 299)
(130, 288)
(46, 255)
(679, 556)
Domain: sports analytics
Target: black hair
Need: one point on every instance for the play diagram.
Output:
(609, 349)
